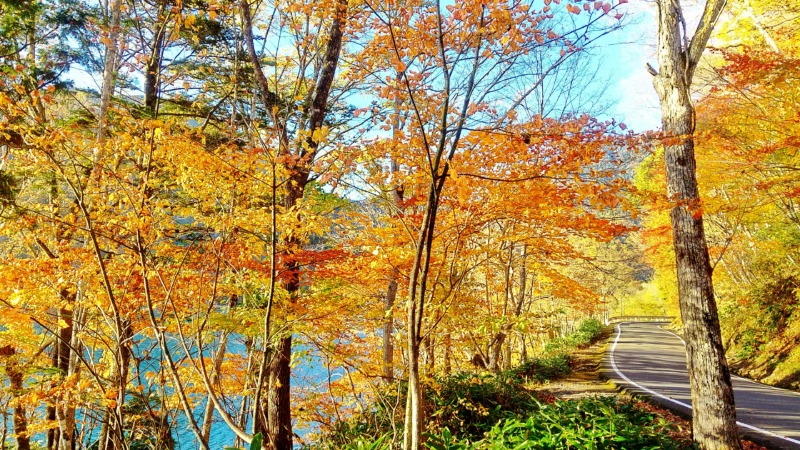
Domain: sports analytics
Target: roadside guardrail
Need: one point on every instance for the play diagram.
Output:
(620, 319)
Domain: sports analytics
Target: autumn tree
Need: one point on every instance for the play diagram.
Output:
(35, 56)
(714, 419)
(171, 236)
(298, 132)
(468, 58)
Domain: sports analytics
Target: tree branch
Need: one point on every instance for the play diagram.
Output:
(709, 19)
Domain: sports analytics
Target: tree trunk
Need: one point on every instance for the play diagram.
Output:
(447, 344)
(50, 412)
(279, 419)
(523, 288)
(714, 414)
(414, 401)
(112, 431)
(391, 291)
(52, 433)
(496, 351)
(388, 327)
(430, 355)
(66, 419)
(417, 288)
(16, 378)
(63, 435)
(208, 412)
(110, 68)
(279, 414)
(153, 66)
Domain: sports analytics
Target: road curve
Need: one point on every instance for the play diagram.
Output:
(646, 359)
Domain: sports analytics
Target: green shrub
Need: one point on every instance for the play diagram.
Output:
(585, 335)
(382, 443)
(591, 328)
(362, 431)
(541, 369)
(590, 423)
(371, 429)
(469, 403)
(472, 403)
(557, 345)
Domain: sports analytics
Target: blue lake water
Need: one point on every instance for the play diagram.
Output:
(309, 373)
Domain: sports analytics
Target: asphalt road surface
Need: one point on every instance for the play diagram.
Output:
(646, 359)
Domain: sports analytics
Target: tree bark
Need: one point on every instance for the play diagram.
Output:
(110, 68)
(112, 437)
(60, 359)
(430, 354)
(496, 351)
(208, 412)
(65, 414)
(447, 344)
(714, 414)
(66, 417)
(279, 414)
(388, 327)
(16, 378)
(153, 65)
(391, 291)
(391, 294)
(279, 419)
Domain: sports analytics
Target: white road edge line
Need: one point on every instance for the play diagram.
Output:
(677, 402)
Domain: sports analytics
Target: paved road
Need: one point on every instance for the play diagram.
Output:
(647, 359)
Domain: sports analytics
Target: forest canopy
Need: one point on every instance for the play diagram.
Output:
(220, 220)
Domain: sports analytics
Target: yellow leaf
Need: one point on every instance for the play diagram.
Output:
(320, 134)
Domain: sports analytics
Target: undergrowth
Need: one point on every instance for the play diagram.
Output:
(588, 423)
(586, 334)
(469, 411)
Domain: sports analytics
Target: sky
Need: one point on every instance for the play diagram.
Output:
(637, 102)
(625, 62)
